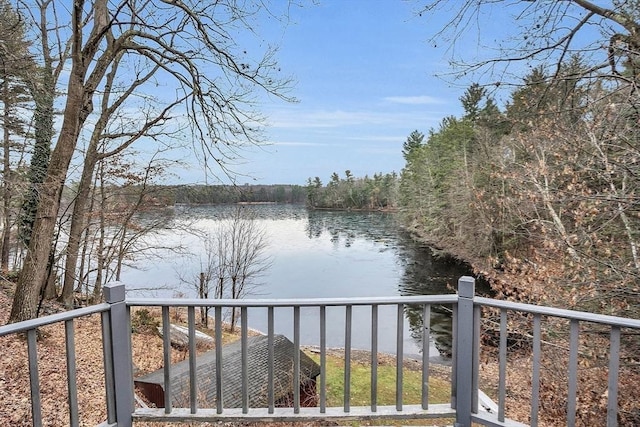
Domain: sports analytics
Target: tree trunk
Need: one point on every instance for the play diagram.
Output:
(50, 292)
(79, 105)
(6, 214)
(78, 217)
(97, 287)
(233, 309)
(78, 221)
(204, 294)
(34, 272)
(84, 261)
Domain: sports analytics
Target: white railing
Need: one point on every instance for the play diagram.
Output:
(464, 406)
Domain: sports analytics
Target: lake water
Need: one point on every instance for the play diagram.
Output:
(315, 254)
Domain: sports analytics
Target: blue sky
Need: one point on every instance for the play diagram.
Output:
(364, 80)
(366, 76)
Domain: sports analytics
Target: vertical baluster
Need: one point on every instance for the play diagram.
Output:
(34, 379)
(399, 355)
(193, 385)
(270, 373)
(107, 354)
(614, 366)
(454, 356)
(347, 359)
(218, 339)
(475, 379)
(130, 355)
(426, 337)
(535, 379)
(374, 358)
(72, 387)
(166, 348)
(573, 372)
(245, 360)
(502, 375)
(323, 359)
(296, 360)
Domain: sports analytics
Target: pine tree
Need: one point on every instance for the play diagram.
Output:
(413, 142)
(15, 69)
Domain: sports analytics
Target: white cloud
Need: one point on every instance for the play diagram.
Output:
(325, 119)
(414, 100)
(378, 138)
(297, 144)
(322, 119)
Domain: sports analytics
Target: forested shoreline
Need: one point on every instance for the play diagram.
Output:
(540, 196)
(379, 192)
(351, 193)
(249, 193)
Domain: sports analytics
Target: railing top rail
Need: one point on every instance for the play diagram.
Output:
(584, 316)
(14, 328)
(301, 302)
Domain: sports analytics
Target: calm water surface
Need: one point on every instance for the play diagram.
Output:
(315, 254)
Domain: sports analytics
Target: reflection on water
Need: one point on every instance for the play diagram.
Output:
(323, 254)
(345, 227)
(426, 274)
(267, 211)
(423, 273)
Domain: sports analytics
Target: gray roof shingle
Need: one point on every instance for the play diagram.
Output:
(258, 354)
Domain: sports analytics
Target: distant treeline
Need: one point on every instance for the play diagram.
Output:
(368, 193)
(215, 194)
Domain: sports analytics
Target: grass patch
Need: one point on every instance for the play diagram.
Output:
(439, 389)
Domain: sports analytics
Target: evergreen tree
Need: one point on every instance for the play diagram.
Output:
(413, 142)
(15, 70)
(471, 100)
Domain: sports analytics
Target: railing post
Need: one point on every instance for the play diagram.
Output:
(464, 351)
(114, 294)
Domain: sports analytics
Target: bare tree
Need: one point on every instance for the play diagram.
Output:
(546, 32)
(129, 211)
(209, 281)
(236, 257)
(193, 45)
(245, 247)
(150, 126)
(51, 52)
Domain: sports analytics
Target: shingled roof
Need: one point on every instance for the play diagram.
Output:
(152, 385)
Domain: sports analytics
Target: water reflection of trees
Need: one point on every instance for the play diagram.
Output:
(423, 272)
(344, 227)
(440, 326)
(259, 211)
(427, 274)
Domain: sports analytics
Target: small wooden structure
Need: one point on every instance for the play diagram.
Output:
(152, 385)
